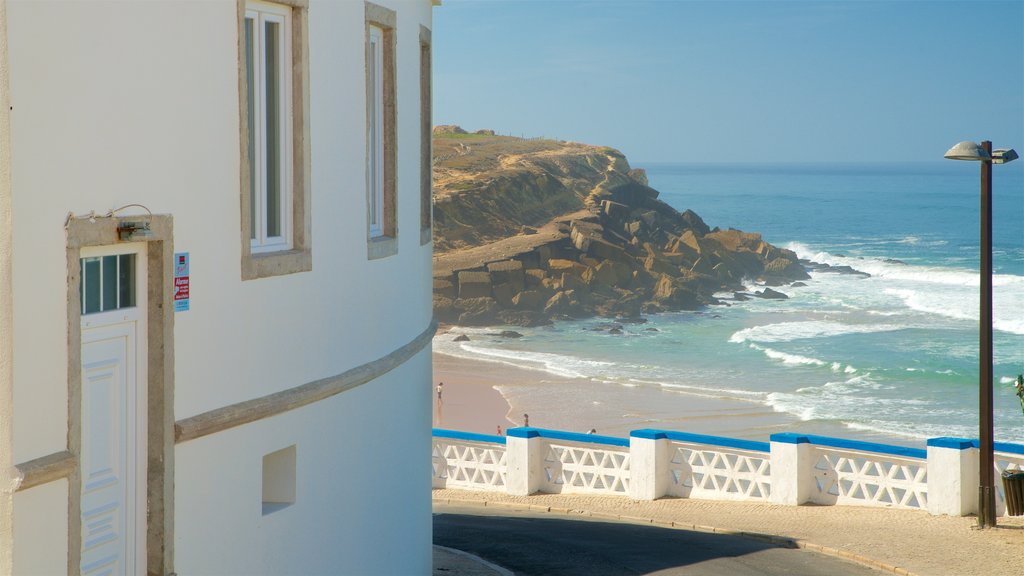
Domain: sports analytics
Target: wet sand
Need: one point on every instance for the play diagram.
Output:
(479, 396)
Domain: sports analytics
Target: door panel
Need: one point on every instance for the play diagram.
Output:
(108, 456)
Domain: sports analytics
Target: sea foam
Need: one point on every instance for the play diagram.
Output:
(789, 331)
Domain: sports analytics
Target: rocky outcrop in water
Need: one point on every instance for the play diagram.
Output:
(529, 231)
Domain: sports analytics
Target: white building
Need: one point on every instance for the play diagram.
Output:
(270, 161)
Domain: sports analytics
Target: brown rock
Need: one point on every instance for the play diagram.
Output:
(603, 274)
(614, 210)
(507, 272)
(448, 129)
(690, 239)
(572, 282)
(445, 287)
(532, 277)
(525, 318)
(790, 269)
(695, 222)
(478, 311)
(565, 304)
(529, 300)
(559, 265)
(771, 294)
(504, 293)
(603, 250)
(474, 285)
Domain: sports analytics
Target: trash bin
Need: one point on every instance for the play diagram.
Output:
(1013, 489)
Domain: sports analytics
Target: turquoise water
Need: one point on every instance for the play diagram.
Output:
(894, 355)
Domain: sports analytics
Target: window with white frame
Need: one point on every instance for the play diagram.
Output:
(268, 61)
(382, 229)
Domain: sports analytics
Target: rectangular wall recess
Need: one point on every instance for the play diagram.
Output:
(278, 480)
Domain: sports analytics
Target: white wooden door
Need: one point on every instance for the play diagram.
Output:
(113, 431)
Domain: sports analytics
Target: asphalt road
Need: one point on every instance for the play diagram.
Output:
(544, 544)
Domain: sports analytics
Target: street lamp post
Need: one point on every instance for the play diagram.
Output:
(983, 152)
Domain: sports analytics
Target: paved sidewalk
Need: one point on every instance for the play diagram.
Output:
(896, 541)
(451, 562)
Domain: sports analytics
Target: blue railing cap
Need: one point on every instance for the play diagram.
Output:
(651, 434)
(954, 443)
(1007, 447)
(965, 443)
(790, 438)
(471, 436)
(570, 436)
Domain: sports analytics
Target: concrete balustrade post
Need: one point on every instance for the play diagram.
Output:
(792, 469)
(524, 457)
(952, 476)
(648, 464)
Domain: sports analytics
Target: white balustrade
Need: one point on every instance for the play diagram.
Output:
(719, 474)
(469, 461)
(848, 472)
(585, 468)
(702, 467)
(869, 479)
(793, 469)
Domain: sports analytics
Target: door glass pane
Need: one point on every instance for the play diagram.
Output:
(91, 285)
(109, 283)
(272, 78)
(250, 84)
(126, 281)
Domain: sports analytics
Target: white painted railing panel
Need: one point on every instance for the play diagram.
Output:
(584, 468)
(850, 477)
(468, 465)
(718, 473)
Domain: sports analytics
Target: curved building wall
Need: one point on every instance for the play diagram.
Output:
(118, 103)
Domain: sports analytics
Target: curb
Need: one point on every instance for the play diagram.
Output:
(781, 541)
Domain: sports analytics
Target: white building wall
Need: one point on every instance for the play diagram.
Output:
(41, 527)
(117, 103)
(352, 513)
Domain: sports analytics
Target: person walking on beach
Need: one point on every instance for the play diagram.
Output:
(499, 429)
(440, 389)
(526, 420)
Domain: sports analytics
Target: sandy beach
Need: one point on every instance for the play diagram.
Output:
(470, 402)
(479, 396)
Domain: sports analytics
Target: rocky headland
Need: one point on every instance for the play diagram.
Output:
(530, 230)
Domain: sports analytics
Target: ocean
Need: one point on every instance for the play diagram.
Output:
(891, 357)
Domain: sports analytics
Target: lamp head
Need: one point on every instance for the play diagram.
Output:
(1002, 156)
(967, 150)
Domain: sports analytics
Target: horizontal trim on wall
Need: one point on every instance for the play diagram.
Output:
(46, 469)
(279, 402)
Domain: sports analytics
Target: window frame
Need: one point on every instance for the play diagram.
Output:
(375, 129)
(381, 132)
(262, 13)
(288, 252)
(426, 137)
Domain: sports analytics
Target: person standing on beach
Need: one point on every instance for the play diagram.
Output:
(526, 420)
(440, 389)
(499, 429)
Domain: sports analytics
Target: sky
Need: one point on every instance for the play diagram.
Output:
(734, 81)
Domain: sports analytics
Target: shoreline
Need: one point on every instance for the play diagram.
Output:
(469, 401)
(480, 395)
